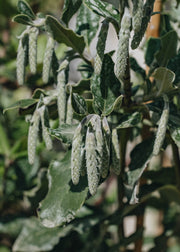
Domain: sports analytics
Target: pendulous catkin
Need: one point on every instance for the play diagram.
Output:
(115, 153)
(91, 162)
(101, 44)
(21, 61)
(123, 46)
(48, 59)
(45, 133)
(33, 35)
(76, 155)
(33, 136)
(161, 132)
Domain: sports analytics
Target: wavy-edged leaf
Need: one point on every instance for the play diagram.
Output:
(87, 23)
(24, 8)
(78, 104)
(24, 103)
(64, 133)
(105, 10)
(168, 48)
(63, 199)
(106, 87)
(130, 120)
(164, 80)
(140, 157)
(153, 46)
(35, 237)
(70, 8)
(80, 87)
(65, 35)
(22, 19)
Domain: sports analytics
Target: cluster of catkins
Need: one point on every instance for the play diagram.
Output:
(139, 18)
(91, 148)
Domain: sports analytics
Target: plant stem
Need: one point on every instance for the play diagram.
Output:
(123, 144)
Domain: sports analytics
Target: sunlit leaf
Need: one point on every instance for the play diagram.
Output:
(64, 133)
(63, 199)
(65, 35)
(25, 103)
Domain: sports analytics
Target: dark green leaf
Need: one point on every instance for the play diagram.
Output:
(87, 23)
(22, 19)
(140, 157)
(80, 87)
(153, 46)
(136, 68)
(164, 80)
(130, 120)
(65, 35)
(79, 104)
(175, 67)
(24, 8)
(105, 88)
(168, 48)
(105, 10)
(70, 8)
(64, 133)
(25, 103)
(63, 199)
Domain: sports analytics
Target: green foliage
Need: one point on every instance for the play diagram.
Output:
(96, 123)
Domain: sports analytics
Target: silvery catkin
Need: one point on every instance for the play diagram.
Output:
(91, 163)
(123, 45)
(33, 136)
(61, 92)
(161, 132)
(33, 35)
(69, 113)
(115, 152)
(95, 122)
(76, 155)
(106, 148)
(137, 15)
(45, 133)
(48, 59)
(101, 44)
(20, 63)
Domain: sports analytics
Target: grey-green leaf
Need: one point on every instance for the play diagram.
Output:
(105, 10)
(24, 8)
(164, 80)
(105, 88)
(22, 19)
(63, 199)
(24, 103)
(64, 133)
(168, 48)
(78, 104)
(130, 120)
(70, 8)
(35, 237)
(65, 35)
(87, 23)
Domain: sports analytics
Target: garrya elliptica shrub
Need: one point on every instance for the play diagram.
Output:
(115, 103)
